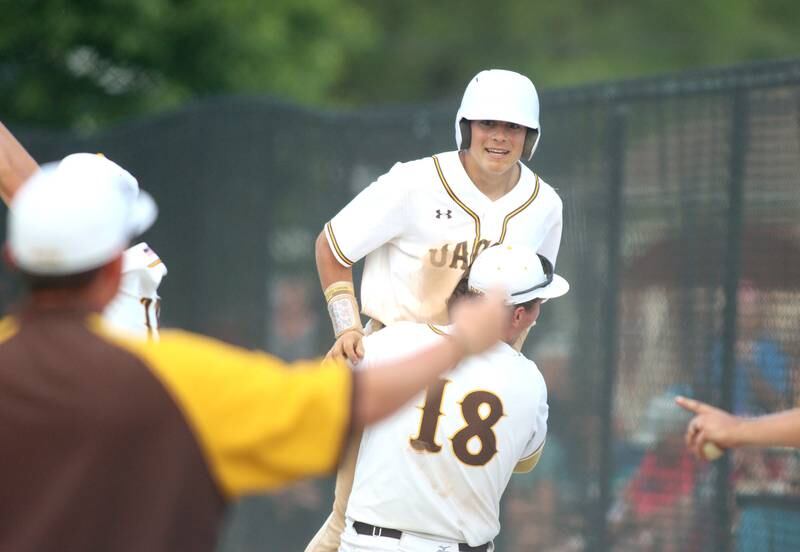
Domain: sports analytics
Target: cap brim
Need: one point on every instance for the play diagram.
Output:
(142, 215)
(558, 287)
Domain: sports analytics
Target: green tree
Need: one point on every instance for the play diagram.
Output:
(431, 49)
(87, 62)
(83, 63)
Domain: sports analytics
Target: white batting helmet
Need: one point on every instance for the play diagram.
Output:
(518, 269)
(500, 95)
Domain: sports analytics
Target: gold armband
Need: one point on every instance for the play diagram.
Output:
(343, 308)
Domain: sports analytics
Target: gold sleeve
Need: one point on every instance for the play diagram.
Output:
(527, 464)
(262, 423)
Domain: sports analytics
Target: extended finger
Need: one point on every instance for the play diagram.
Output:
(691, 405)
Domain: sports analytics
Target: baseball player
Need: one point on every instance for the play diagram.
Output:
(432, 474)
(136, 307)
(421, 225)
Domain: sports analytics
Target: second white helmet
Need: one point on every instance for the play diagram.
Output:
(500, 95)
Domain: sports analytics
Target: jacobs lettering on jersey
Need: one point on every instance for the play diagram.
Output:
(459, 257)
(440, 214)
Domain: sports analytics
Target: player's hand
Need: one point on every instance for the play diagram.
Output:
(480, 322)
(710, 424)
(347, 347)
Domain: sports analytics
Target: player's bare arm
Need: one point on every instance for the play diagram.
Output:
(714, 425)
(337, 284)
(16, 164)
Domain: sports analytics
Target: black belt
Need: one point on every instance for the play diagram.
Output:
(367, 529)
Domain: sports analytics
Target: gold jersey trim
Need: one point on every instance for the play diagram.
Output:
(461, 204)
(529, 462)
(8, 327)
(436, 330)
(519, 209)
(337, 249)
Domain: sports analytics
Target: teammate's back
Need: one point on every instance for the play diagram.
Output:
(451, 451)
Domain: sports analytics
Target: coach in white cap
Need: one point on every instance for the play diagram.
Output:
(136, 307)
(431, 476)
(127, 444)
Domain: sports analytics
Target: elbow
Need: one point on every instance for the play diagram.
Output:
(321, 244)
(321, 250)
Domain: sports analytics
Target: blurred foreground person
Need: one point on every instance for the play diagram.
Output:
(128, 445)
(137, 306)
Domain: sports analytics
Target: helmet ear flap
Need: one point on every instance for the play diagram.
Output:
(466, 134)
(531, 137)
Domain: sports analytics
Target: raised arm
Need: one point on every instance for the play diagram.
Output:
(16, 164)
(714, 425)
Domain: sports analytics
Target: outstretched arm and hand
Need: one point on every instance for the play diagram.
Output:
(16, 165)
(714, 425)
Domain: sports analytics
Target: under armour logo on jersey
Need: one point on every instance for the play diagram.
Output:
(448, 213)
(444, 548)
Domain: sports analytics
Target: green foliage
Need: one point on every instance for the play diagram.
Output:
(83, 63)
(434, 48)
(87, 62)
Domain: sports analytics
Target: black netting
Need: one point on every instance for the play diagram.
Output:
(681, 244)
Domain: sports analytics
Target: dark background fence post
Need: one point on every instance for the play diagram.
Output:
(739, 136)
(610, 313)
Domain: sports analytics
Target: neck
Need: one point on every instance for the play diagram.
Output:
(493, 186)
(66, 299)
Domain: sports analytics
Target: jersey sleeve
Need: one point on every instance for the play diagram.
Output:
(552, 240)
(372, 218)
(533, 449)
(260, 422)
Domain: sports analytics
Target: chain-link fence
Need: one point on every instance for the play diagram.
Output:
(682, 221)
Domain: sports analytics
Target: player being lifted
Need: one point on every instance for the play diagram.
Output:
(432, 475)
(135, 309)
(421, 225)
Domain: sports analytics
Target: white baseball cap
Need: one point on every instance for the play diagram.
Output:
(67, 221)
(97, 166)
(518, 269)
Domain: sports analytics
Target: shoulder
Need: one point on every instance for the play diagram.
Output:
(417, 167)
(544, 191)
(529, 371)
(140, 256)
(177, 347)
(406, 333)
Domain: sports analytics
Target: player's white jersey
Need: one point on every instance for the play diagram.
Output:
(135, 309)
(439, 465)
(421, 224)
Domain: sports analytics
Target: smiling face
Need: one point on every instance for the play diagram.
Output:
(496, 146)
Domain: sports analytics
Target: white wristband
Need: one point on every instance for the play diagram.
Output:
(344, 314)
